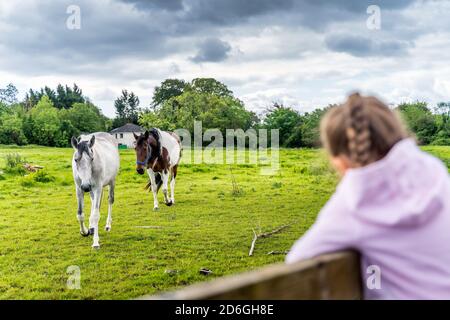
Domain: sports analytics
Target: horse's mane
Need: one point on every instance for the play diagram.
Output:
(157, 135)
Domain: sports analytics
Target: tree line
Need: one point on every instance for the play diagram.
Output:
(47, 117)
(177, 103)
(302, 130)
(51, 116)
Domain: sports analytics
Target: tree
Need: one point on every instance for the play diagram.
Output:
(62, 98)
(443, 111)
(84, 117)
(179, 104)
(66, 131)
(45, 123)
(419, 120)
(169, 88)
(9, 94)
(310, 128)
(11, 131)
(210, 86)
(214, 112)
(127, 109)
(442, 116)
(284, 119)
(50, 117)
(3, 108)
(31, 99)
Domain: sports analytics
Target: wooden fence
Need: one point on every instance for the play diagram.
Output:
(331, 276)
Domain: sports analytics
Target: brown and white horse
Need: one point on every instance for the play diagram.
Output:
(159, 152)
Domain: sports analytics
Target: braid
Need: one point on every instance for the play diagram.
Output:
(358, 132)
(363, 129)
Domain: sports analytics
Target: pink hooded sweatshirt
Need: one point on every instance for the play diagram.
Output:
(396, 213)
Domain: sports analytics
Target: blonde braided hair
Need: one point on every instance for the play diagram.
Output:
(363, 129)
(358, 133)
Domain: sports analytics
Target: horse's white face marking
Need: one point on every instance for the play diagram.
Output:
(83, 168)
(82, 162)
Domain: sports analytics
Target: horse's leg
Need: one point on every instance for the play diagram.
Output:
(91, 195)
(165, 181)
(172, 184)
(110, 203)
(80, 216)
(154, 187)
(96, 197)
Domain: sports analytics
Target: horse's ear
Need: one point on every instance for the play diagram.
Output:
(91, 143)
(146, 134)
(135, 136)
(74, 142)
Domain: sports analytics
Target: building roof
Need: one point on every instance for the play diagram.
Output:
(129, 127)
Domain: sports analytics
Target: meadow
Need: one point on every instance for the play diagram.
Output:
(210, 226)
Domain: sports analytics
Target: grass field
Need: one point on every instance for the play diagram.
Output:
(209, 227)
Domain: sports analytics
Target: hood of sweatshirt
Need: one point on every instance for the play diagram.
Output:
(405, 188)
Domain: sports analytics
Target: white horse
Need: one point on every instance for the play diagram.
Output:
(95, 164)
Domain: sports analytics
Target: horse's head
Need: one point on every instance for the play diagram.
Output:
(143, 148)
(83, 158)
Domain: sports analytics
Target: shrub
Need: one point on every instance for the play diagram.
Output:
(14, 164)
(320, 167)
(31, 179)
(27, 181)
(441, 141)
(13, 160)
(276, 185)
(42, 176)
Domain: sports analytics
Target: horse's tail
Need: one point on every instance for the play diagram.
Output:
(158, 182)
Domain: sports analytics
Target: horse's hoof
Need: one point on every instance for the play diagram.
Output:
(84, 234)
(96, 247)
(108, 229)
(155, 209)
(169, 203)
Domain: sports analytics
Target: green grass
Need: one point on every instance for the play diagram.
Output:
(209, 227)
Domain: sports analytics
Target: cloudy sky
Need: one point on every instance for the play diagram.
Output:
(303, 53)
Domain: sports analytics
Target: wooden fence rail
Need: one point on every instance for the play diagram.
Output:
(331, 276)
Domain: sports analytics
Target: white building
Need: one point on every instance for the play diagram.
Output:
(124, 134)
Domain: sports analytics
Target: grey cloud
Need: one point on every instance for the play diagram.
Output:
(231, 11)
(321, 14)
(170, 5)
(105, 35)
(158, 28)
(212, 50)
(226, 12)
(137, 43)
(358, 5)
(361, 46)
(116, 32)
(314, 14)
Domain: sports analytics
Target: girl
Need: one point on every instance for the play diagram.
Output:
(392, 204)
